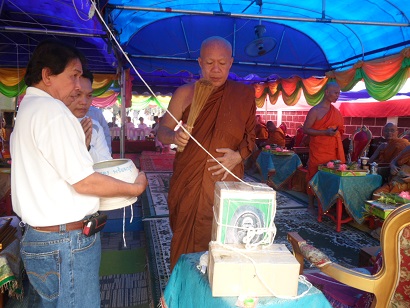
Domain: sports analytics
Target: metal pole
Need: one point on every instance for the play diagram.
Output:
(49, 32)
(123, 117)
(241, 63)
(251, 16)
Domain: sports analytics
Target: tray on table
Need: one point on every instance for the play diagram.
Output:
(280, 153)
(380, 209)
(354, 172)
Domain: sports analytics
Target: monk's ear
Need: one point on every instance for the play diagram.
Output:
(45, 75)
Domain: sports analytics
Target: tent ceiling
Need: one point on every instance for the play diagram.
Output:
(24, 23)
(162, 38)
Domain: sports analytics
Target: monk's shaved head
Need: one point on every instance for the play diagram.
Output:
(390, 131)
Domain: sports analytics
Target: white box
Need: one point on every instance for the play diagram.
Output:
(232, 274)
(237, 206)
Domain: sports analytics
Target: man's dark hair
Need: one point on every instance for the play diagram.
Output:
(88, 75)
(53, 54)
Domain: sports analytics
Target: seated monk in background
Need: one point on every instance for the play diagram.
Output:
(387, 151)
(261, 130)
(400, 172)
(275, 134)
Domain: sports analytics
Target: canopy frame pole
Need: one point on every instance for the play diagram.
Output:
(123, 114)
(252, 16)
(242, 63)
(50, 32)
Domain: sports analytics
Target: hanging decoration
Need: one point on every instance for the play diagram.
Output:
(383, 79)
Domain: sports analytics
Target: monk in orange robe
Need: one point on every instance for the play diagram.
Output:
(224, 129)
(261, 131)
(400, 175)
(324, 124)
(387, 151)
(275, 134)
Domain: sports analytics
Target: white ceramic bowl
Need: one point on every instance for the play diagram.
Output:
(122, 169)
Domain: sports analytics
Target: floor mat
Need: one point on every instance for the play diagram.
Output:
(158, 237)
(122, 261)
(158, 163)
(130, 290)
(156, 204)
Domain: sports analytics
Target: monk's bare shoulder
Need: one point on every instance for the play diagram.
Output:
(183, 95)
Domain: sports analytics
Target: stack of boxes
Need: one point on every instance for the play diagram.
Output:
(265, 270)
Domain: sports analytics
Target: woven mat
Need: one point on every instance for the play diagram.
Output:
(157, 163)
(158, 238)
(157, 196)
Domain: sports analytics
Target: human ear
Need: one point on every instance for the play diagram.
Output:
(45, 75)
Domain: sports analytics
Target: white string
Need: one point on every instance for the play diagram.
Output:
(123, 223)
(251, 232)
(301, 278)
(123, 227)
(152, 92)
(78, 14)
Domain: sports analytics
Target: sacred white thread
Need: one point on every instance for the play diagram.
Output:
(301, 277)
(152, 92)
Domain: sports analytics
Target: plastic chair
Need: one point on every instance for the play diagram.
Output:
(359, 144)
(391, 282)
(299, 137)
(283, 127)
(115, 132)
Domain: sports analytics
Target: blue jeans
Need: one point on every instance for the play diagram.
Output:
(62, 267)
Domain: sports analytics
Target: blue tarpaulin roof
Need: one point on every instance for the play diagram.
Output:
(162, 38)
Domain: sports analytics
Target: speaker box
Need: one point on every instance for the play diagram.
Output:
(240, 207)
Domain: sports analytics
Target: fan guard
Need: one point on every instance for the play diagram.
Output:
(261, 45)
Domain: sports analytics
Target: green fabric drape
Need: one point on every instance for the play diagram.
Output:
(139, 104)
(13, 91)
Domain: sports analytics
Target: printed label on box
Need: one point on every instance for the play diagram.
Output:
(239, 209)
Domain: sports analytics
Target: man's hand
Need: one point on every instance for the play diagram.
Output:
(330, 132)
(87, 125)
(141, 179)
(229, 159)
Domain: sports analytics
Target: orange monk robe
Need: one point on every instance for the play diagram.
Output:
(393, 148)
(261, 131)
(277, 137)
(325, 148)
(226, 121)
(397, 184)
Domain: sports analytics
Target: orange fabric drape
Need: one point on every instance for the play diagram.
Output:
(383, 79)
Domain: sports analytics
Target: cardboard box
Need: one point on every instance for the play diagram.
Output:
(238, 206)
(379, 209)
(232, 274)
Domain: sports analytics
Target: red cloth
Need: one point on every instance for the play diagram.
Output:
(360, 140)
(299, 137)
(391, 108)
(221, 124)
(325, 148)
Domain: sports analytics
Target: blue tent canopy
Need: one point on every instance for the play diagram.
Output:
(162, 38)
